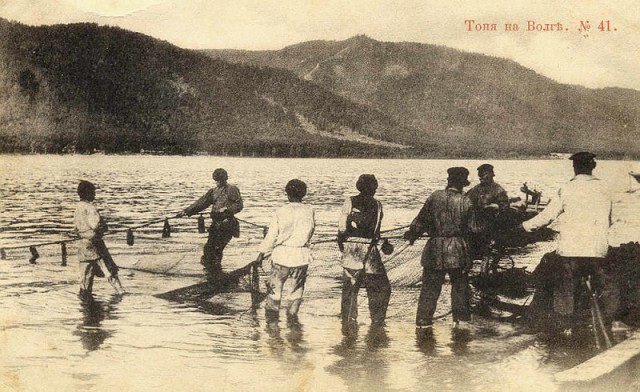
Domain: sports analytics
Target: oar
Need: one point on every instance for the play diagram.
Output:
(597, 314)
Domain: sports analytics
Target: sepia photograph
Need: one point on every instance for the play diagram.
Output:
(347, 195)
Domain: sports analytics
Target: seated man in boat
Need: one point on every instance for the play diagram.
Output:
(489, 200)
(448, 218)
(287, 241)
(584, 206)
(225, 202)
(360, 219)
(93, 254)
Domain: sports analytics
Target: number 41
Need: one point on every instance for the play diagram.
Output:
(604, 25)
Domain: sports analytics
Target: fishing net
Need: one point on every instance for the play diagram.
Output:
(176, 251)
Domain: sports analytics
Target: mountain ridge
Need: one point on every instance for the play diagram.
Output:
(84, 87)
(492, 103)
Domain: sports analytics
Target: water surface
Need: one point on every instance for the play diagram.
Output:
(50, 340)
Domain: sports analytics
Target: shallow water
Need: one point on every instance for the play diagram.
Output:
(51, 340)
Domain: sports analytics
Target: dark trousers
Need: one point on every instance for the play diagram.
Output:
(378, 293)
(479, 245)
(571, 296)
(562, 299)
(219, 237)
(432, 281)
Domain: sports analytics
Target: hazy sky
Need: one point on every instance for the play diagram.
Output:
(590, 58)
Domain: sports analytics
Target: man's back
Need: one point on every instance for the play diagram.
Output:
(583, 206)
(446, 213)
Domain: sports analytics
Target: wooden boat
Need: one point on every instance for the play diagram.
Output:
(636, 176)
(597, 368)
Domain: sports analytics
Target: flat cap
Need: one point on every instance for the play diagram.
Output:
(582, 157)
(485, 167)
(458, 175)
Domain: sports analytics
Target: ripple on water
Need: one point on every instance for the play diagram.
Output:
(49, 334)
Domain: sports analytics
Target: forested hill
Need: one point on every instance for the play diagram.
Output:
(82, 88)
(464, 101)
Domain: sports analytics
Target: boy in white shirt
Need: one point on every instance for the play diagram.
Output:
(93, 255)
(288, 239)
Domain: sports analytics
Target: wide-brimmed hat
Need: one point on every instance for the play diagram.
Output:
(458, 175)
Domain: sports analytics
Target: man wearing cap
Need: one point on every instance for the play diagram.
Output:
(488, 199)
(448, 218)
(225, 202)
(584, 208)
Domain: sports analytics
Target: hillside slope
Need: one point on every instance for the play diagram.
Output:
(469, 102)
(82, 88)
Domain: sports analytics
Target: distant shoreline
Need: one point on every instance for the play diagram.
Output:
(504, 157)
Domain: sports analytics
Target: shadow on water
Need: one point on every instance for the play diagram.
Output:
(94, 312)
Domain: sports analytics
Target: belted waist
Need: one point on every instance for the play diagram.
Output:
(293, 247)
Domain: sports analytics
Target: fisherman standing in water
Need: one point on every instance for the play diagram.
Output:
(584, 206)
(225, 202)
(361, 217)
(489, 199)
(288, 241)
(93, 254)
(448, 218)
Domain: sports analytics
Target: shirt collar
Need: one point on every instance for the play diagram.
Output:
(452, 189)
(584, 177)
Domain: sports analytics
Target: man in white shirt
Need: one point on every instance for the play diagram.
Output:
(287, 241)
(583, 206)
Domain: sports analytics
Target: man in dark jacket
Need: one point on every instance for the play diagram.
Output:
(448, 218)
(489, 199)
(225, 202)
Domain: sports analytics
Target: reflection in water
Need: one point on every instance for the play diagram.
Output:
(362, 367)
(460, 339)
(93, 313)
(376, 338)
(566, 351)
(275, 341)
(426, 341)
(295, 335)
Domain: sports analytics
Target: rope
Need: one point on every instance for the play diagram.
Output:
(40, 244)
(251, 223)
(161, 220)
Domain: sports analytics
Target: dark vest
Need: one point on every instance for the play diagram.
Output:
(364, 219)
